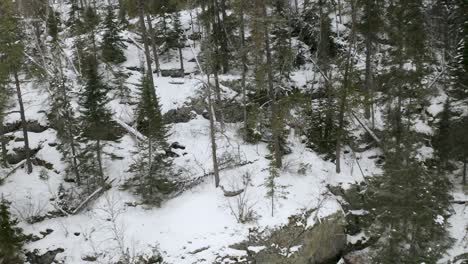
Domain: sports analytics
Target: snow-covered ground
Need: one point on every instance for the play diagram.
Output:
(197, 226)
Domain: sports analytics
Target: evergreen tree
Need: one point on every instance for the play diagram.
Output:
(11, 50)
(11, 237)
(53, 23)
(442, 140)
(409, 203)
(112, 43)
(459, 143)
(95, 122)
(152, 168)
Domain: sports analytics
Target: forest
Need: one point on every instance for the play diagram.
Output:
(234, 131)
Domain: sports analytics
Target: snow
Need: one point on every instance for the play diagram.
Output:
(197, 226)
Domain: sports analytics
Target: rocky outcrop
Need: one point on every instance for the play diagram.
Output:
(47, 258)
(32, 126)
(174, 73)
(296, 243)
(179, 115)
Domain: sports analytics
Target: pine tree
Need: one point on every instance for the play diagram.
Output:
(11, 237)
(12, 48)
(95, 121)
(442, 140)
(275, 190)
(53, 23)
(409, 203)
(112, 43)
(153, 168)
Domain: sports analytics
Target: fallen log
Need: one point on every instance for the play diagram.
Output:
(231, 193)
(93, 196)
(459, 201)
(371, 133)
(13, 170)
(130, 129)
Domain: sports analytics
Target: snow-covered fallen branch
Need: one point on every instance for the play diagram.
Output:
(371, 133)
(19, 165)
(130, 129)
(94, 195)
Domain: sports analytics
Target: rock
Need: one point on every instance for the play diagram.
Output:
(199, 250)
(46, 258)
(296, 244)
(195, 36)
(134, 68)
(174, 73)
(89, 258)
(32, 126)
(47, 232)
(19, 154)
(179, 115)
(232, 112)
(177, 145)
(113, 133)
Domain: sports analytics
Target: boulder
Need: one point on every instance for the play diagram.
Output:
(32, 126)
(294, 243)
(47, 258)
(174, 73)
(179, 115)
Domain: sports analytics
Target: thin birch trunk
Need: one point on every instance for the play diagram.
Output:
(24, 124)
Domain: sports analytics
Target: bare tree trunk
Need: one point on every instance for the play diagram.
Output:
(181, 58)
(99, 160)
(153, 44)
(215, 64)
(244, 66)
(212, 135)
(3, 142)
(368, 78)
(24, 124)
(68, 116)
(344, 94)
(144, 34)
(150, 155)
(464, 171)
(222, 31)
(274, 118)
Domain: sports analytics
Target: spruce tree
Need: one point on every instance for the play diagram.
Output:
(409, 203)
(11, 237)
(53, 24)
(12, 48)
(442, 140)
(152, 168)
(112, 43)
(95, 122)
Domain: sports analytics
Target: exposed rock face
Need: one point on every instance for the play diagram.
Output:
(179, 115)
(32, 126)
(46, 258)
(174, 73)
(296, 244)
(19, 154)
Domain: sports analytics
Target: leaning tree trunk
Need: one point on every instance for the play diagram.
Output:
(464, 170)
(274, 119)
(99, 160)
(212, 135)
(344, 94)
(368, 78)
(144, 34)
(24, 124)
(3, 142)
(153, 43)
(244, 67)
